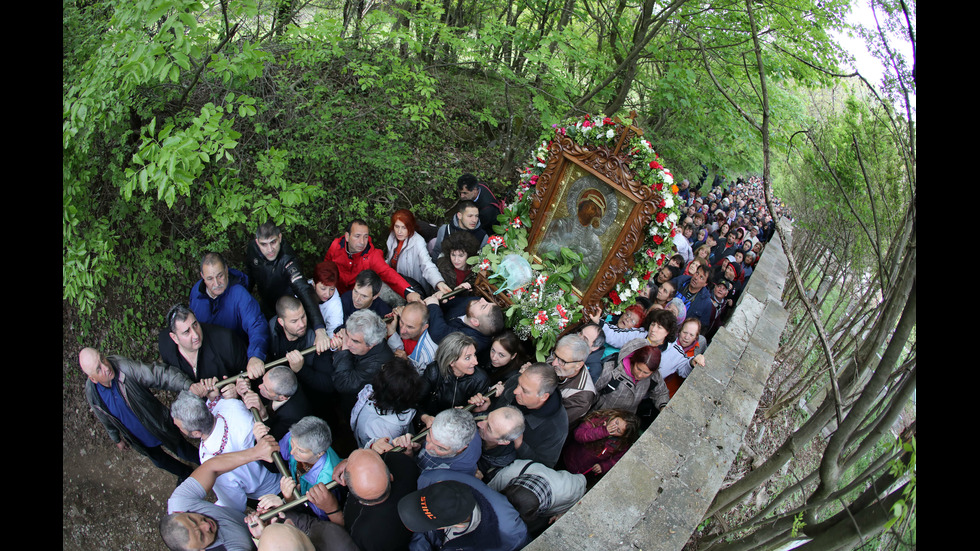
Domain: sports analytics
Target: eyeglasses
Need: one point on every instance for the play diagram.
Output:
(561, 361)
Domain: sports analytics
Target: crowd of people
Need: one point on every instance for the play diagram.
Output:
(378, 413)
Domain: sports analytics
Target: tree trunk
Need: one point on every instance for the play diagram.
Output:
(830, 467)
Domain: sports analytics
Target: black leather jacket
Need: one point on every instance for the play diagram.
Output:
(279, 277)
(136, 382)
(446, 392)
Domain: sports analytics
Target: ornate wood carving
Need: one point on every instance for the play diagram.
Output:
(485, 289)
(614, 170)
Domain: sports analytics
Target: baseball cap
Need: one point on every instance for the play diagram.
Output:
(437, 506)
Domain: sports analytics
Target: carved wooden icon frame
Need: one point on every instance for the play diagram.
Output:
(607, 166)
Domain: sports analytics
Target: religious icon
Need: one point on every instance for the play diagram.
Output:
(592, 207)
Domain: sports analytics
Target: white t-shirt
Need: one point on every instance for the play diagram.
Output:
(250, 480)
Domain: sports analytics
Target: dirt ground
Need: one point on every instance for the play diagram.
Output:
(111, 499)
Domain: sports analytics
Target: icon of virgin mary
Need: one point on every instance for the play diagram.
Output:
(592, 206)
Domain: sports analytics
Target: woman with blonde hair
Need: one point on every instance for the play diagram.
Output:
(703, 252)
(454, 377)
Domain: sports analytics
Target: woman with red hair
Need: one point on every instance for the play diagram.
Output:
(324, 283)
(634, 374)
(408, 255)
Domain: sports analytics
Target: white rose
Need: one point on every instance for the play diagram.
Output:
(668, 179)
(672, 217)
(668, 202)
(625, 294)
(610, 134)
(634, 284)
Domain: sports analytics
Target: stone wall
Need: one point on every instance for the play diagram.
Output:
(656, 496)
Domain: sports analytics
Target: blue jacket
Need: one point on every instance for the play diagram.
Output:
(442, 323)
(500, 529)
(700, 306)
(233, 309)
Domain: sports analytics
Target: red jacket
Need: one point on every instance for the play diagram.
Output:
(368, 259)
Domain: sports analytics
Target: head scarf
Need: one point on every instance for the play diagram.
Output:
(681, 309)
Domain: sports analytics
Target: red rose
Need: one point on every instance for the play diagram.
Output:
(614, 297)
(655, 164)
(660, 261)
(661, 216)
(658, 240)
(647, 276)
(658, 186)
(607, 120)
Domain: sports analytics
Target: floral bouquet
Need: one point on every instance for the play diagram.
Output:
(544, 308)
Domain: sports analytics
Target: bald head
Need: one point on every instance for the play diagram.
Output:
(88, 359)
(367, 477)
(284, 537)
(95, 366)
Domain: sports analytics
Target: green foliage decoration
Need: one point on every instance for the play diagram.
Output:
(898, 469)
(541, 309)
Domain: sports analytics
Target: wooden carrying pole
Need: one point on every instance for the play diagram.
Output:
(299, 501)
(277, 457)
(268, 366)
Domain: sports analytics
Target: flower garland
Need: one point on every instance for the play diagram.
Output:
(543, 308)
